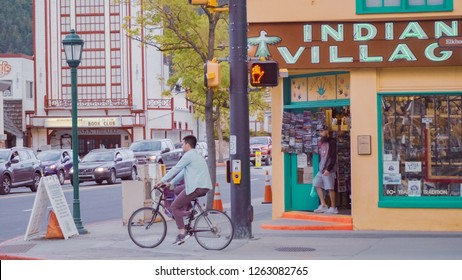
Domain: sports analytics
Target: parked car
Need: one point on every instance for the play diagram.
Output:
(19, 167)
(156, 150)
(107, 165)
(202, 148)
(262, 144)
(56, 162)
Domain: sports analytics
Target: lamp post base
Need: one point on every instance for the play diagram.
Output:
(79, 226)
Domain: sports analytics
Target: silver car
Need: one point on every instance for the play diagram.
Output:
(107, 165)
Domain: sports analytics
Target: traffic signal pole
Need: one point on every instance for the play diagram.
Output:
(241, 208)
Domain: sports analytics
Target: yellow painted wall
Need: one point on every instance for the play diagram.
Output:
(323, 10)
(277, 184)
(365, 212)
(364, 177)
(365, 83)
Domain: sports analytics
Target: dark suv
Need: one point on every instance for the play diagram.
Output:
(19, 167)
(107, 164)
(56, 162)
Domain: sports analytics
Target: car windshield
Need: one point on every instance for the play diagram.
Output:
(99, 156)
(145, 146)
(4, 155)
(259, 140)
(49, 155)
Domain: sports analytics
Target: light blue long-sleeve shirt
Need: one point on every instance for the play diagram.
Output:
(193, 168)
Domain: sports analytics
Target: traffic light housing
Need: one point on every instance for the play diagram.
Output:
(198, 2)
(212, 74)
(212, 3)
(264, 73)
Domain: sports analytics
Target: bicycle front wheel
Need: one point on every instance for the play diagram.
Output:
(147, 227)
(213, 230)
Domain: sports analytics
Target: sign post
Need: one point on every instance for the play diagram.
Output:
(241, 207)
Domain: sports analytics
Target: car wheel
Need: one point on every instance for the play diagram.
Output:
(61, 177)
(133, 174)
(112, 178)
(6, 185)
(37, 177)
(99, 182)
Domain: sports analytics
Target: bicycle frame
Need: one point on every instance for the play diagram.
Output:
(160, 203)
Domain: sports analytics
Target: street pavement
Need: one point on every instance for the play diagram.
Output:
(109, 240)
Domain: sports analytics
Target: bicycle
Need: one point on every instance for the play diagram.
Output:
(147, 226)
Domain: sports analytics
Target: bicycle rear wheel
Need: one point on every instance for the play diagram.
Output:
(213, 230)
(147, 227)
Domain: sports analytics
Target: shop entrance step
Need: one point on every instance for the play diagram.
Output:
(299, 220)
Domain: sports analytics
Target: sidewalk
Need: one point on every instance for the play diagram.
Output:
(110, 241)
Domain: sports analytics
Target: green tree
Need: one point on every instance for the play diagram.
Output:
(190, 36)
(16, 27)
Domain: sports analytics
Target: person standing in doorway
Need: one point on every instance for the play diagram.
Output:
(325, 178)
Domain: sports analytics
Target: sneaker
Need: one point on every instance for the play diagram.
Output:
(181, 238)
(332, 210)
(321, 209)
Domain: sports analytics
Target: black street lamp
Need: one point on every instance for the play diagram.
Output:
(73, 47)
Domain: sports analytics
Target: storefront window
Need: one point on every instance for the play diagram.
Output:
(421, 145)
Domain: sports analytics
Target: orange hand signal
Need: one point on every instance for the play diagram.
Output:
(257, 73)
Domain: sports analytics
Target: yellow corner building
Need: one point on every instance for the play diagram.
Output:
(386, 77)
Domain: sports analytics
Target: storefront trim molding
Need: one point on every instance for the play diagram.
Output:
(288, 105)
(362, 9)
(287, 182)
(409, 202)
(318, 74)
(317, 104)
(409, 93)
(421, 202)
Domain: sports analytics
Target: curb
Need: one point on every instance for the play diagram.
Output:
(14, 257)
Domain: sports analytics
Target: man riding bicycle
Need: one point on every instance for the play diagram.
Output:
(193, 168)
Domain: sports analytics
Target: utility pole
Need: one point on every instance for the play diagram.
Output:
(241, 208)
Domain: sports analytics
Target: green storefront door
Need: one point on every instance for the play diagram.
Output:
(302, 181)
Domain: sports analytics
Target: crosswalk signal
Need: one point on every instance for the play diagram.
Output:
(264, 73)
(212, 74)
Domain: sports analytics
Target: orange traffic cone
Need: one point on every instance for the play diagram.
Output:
(268, 193)
(217, 204)
(53, 230)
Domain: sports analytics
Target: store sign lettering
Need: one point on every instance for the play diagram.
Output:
(5, 68)
(356, 44)
(83, 122)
